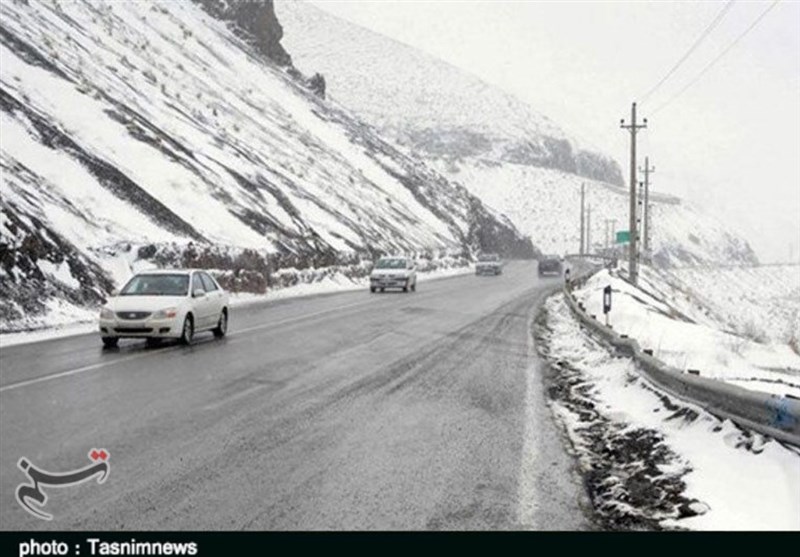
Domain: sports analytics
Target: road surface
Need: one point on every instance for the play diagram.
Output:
(344, 411)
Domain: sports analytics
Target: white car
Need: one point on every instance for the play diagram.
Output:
(393, 272)
(165, 304)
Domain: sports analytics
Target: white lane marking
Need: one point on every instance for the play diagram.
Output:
(299, 318)
(77, 370)
(234, 397)
(528, 504)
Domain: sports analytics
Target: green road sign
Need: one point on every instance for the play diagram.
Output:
(623, 237)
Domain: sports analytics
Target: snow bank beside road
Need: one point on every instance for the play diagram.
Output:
(654, 462)
(687, 335)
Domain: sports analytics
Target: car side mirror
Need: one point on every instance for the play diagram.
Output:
(114, 293)
(198, 293)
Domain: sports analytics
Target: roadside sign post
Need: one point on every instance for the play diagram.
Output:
(607, 302)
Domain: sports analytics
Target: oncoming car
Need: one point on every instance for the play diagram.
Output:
(393, 272)
(163, 304)
(489, 264)
(550, 265)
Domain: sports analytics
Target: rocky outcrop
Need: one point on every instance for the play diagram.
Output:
(255, 22)
(28, 249)
(316, 84)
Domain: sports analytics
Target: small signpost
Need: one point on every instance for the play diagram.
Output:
(623, 237)
(607, 302)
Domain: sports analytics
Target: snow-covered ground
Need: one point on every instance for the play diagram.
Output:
(652, 462)
(762, 302)
(685, 334)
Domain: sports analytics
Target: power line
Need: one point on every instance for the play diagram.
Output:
(711, 26)
(717, 59)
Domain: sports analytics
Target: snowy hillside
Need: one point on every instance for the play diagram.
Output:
(516, 160)
(545, 204)
(672, 320)
(139, 130)
(425, 104)
(760, 302)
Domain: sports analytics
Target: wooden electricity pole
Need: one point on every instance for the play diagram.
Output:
(633, 263)
(583, 228)
(589, 229)
(648, 170)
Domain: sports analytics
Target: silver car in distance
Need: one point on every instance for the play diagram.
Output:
(163, 304)
(394, 272)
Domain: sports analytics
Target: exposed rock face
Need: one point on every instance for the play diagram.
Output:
(316, 83)
(29, 246)
(254, 21)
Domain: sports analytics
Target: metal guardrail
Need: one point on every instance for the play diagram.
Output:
(773, 415)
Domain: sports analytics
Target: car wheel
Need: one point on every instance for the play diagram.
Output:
(372, 289)
(188, 331)
(222, 325)
(110, 342)
(383, 290)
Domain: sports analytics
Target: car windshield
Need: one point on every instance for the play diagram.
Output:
(157, 285)
(391, 264)
(489, 257)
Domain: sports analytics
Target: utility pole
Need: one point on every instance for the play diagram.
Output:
(633, 127)
(610, 231)
(648, 170)
(640, 220)
(589, 229)
(583, 230)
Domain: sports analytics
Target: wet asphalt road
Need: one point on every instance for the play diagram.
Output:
(344, 411)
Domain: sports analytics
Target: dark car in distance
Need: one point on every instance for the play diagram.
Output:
(550, 265)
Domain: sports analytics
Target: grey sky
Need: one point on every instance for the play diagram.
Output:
(731, 142)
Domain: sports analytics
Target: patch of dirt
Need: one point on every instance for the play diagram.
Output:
(633, 479)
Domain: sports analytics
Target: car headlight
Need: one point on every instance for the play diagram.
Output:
(168, 313)
(106, 313)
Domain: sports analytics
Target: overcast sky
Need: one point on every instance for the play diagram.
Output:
(730, 142)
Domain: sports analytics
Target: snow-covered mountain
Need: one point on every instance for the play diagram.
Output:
(545, 204)
(516, 160)
(144, 130)
(426, 104)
